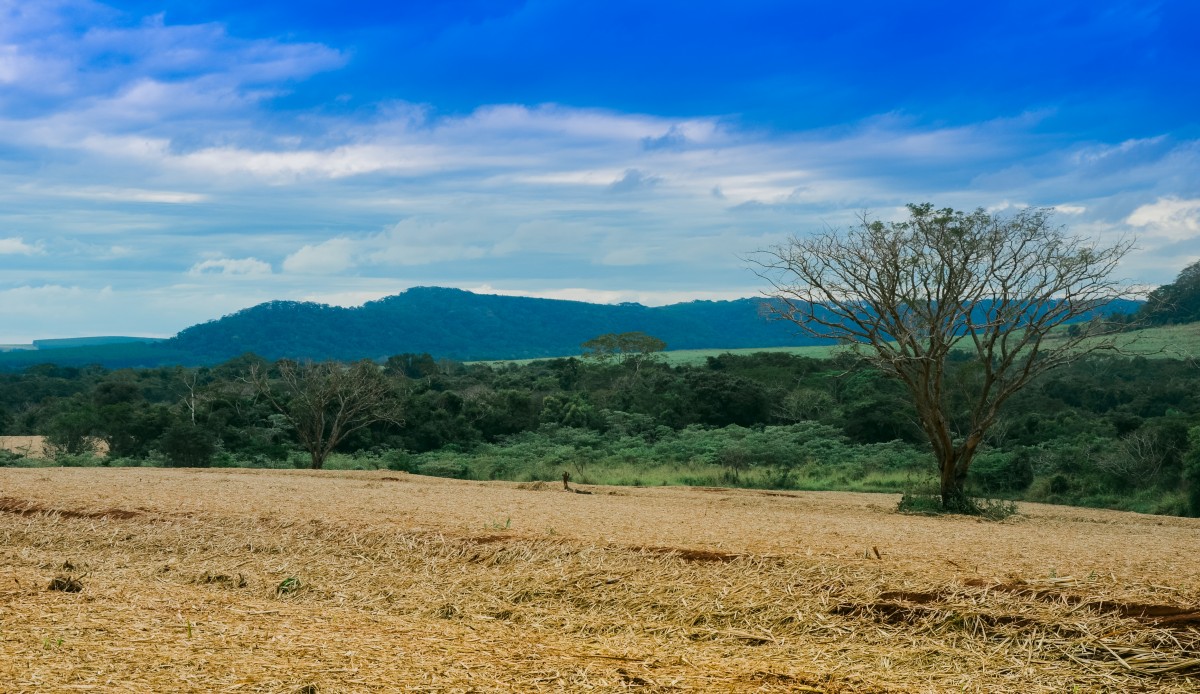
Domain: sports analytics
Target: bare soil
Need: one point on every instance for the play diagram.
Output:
(136, 579)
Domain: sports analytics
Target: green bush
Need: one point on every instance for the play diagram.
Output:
(926, 503)
(996, 472)
(10, 459)
(443, 468)
(400, 461)
(1191, 472)
(188, 445)
(920, 503)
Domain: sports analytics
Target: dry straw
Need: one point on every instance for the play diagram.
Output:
(300, 582)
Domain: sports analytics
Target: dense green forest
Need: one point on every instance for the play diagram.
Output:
(1105, 431)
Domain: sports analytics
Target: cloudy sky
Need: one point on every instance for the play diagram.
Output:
(164, 163)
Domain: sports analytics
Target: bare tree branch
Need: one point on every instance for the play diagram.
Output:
(325, 402)
(913, 292)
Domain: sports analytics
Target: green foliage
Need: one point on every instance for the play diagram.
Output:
(1191, 472)
(1002, 472)
(1112, 432)
(920, 503)
(632, 348)
(187, 445)
(1177, 302)
(444, 468)
(930, 503)
(10, 459)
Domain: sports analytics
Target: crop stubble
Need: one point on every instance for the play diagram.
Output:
(237, 580)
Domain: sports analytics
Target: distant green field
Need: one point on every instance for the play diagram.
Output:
(1164, 342)
(681, 357)
(697, 356)
(1161, 342)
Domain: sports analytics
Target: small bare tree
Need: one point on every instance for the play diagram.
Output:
(912, 292)
(326, 401)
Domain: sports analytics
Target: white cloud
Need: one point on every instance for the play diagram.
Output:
(16, 246)
(170, 197)
(1176, 219)
(1005, 205)
(407, 243)
(327, 258)
(231, 266)
(287, 166)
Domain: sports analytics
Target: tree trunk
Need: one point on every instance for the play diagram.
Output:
(954, 466)
(954, 494)
(318, 460)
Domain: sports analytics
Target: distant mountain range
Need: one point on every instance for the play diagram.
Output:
(457, 324)
(446, 323)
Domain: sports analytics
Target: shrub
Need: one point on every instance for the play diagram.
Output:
(443, 468)
(400, 461)
(1191, 472)
(10, 459)
(920, 503)
(926, 503)
(994, 472)
(187, 445)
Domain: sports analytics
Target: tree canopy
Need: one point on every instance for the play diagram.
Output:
(911, 293)
(1177, 302)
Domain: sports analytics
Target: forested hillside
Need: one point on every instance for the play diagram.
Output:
(1177, 302)
(447, 323)
(455, 324)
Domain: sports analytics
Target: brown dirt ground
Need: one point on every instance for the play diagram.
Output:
(274, 581)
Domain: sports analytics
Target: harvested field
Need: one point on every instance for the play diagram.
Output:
(135, 580)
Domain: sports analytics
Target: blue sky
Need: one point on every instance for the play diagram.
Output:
(164, 163)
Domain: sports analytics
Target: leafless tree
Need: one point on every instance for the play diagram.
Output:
(192, 397)
(909, 293)
(326, 401)
(1137, 459)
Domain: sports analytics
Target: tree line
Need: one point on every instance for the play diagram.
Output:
(1105, 431)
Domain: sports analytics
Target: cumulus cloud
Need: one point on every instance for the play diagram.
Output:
(231, 266)
(1173, 218)
(327, 258)
(407, 243)
(16, 245)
